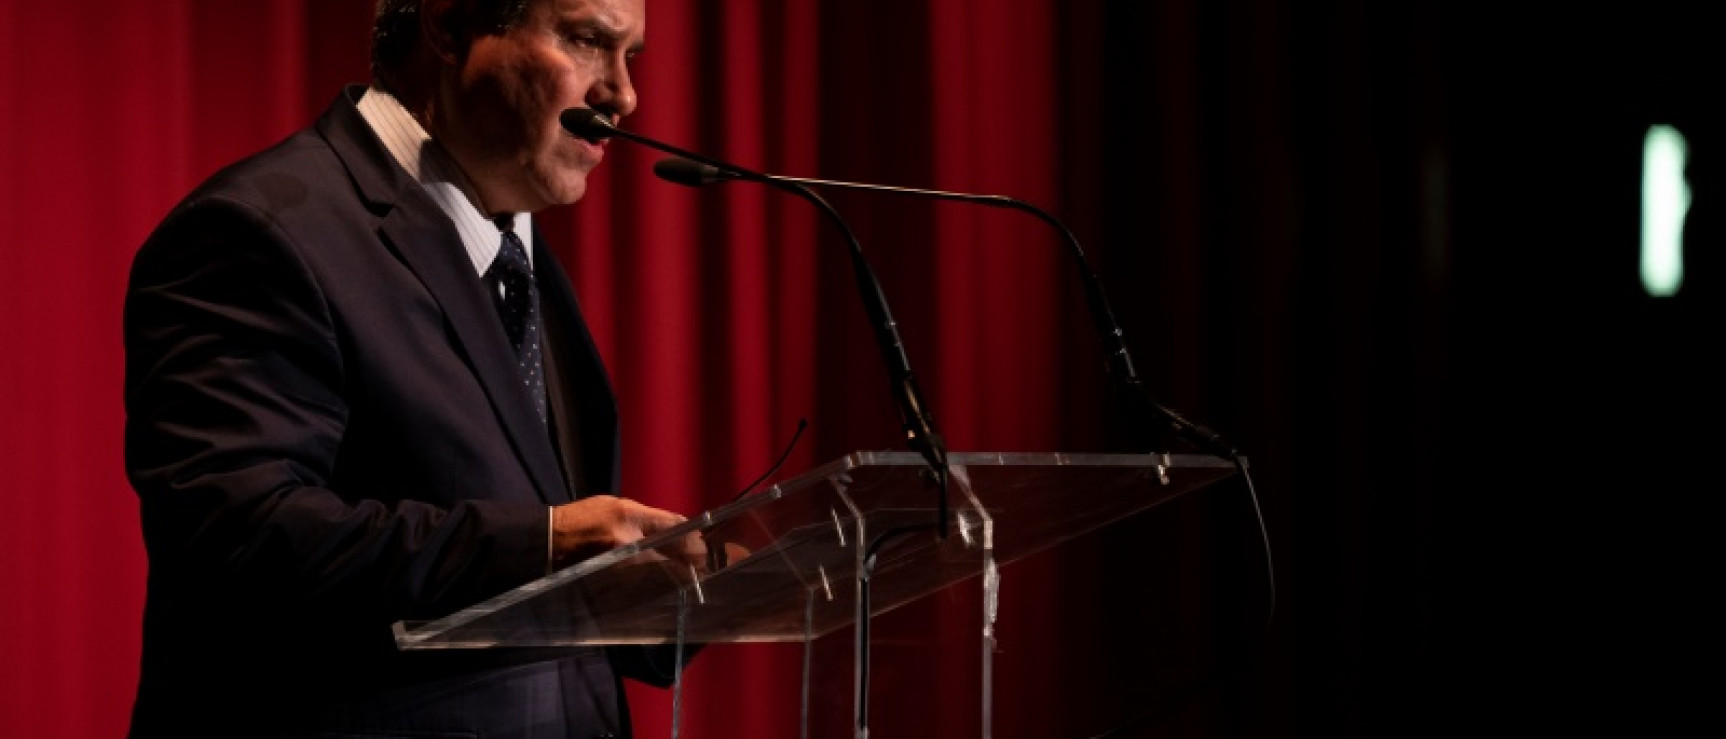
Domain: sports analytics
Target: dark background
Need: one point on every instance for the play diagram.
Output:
(1391, 250)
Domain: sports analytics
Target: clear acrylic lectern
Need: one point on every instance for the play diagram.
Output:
(834, 547)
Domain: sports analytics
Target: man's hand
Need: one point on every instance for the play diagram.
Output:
(600, 523)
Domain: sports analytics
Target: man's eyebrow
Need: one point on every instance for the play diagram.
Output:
(609, 32)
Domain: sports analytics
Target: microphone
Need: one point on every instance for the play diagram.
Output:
(688, 172)
(914, 416)
(1146, 413)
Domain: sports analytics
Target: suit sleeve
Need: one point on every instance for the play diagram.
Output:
(235, 416)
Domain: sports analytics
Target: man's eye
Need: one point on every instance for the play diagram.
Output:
(581, 40)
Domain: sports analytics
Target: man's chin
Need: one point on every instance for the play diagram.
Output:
(564, 191)
(572, 195)
(572, 188)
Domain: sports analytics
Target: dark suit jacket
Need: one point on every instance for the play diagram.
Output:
(328, 433)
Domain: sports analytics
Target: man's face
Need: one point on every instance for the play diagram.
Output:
(498, 114)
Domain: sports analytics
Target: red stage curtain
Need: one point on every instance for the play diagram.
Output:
(110, 114)
(725, 315)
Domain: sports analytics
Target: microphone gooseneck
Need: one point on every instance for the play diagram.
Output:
(1145, 413)
(919, 427)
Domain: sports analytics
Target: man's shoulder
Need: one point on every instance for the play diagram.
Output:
(276, 178)
(305, 172)
(316, 193)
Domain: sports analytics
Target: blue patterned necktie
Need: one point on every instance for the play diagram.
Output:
(511, 280)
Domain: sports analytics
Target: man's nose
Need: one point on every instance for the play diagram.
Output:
(614, 93)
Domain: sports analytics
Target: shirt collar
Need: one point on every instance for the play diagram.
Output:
(436, 171)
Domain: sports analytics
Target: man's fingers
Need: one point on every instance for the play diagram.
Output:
(654, 520)
(601, 522)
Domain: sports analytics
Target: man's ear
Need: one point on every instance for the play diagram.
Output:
(439, 24)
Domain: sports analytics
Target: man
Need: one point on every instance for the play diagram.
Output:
(360, 390)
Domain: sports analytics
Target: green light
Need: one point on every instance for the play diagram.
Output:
(1665, 201)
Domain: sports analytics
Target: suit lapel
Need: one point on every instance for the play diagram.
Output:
(418, 232)
(584, 408)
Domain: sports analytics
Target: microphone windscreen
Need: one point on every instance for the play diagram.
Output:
(586, 123)
(685, 172)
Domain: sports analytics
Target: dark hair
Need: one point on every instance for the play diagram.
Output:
(396, 28)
